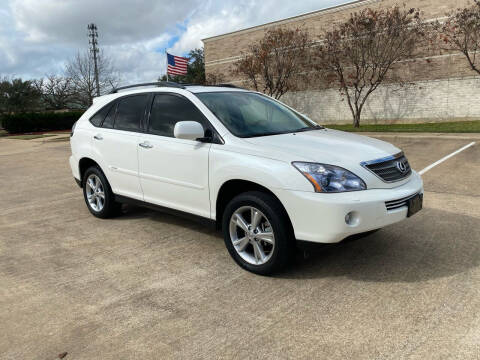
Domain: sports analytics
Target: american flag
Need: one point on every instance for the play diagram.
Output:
(177, 65)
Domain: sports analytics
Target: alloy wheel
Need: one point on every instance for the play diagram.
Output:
(95, 193)
(252, 235)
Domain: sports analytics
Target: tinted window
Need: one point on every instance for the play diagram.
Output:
(167, 110)
(130, 111)
(248, 114)
(100, 115)
(108, 122)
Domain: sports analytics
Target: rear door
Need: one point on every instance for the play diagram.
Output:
(174, 172)
(116, 143)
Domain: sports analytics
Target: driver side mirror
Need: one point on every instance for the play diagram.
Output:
(190, 130)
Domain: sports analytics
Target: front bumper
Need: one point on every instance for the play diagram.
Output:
(320, 217)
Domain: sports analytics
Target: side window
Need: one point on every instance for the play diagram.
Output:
(108, 122)
(130, 112)
(97, 119)
(167, 110)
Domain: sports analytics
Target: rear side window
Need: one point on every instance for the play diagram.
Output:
(108, 122)
(130, 112)
(98, 118)
(167, 110)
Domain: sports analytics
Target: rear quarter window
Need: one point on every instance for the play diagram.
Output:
(100, 115)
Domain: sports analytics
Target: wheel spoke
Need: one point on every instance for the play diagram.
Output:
(101, 194)
(256, 217)
(241, 244)
(91, 183)
(266, 236)
(97, 201)
(258, 251)
(240, 222)
(97, 182)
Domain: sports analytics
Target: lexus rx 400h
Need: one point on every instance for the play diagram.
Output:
(265, 173)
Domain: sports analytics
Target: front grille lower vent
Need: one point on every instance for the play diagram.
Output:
(395, 204)
(393, 168)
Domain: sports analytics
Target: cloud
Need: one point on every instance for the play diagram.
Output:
(38, 37)
(120, 21)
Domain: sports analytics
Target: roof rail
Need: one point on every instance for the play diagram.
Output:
(158, 83)
(219, 85)
(229, 85)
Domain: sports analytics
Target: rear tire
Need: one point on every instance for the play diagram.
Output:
(98, 194)
(257, 233)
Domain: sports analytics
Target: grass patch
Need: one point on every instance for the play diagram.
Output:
(30, 137)
(444, 127)
(3, 132)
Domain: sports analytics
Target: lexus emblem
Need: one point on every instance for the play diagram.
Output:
(401, 166)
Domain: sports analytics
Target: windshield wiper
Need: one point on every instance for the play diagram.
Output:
(308, 128)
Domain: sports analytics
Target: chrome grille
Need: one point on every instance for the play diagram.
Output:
(395, 204)
(389, 169)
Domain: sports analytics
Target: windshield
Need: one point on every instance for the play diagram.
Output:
(248, 114)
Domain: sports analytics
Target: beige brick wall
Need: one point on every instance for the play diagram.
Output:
(439, 68)
(426, 101)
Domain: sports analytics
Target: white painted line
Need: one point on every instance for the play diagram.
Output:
(423, 171)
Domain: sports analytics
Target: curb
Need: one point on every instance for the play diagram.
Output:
(446, 136)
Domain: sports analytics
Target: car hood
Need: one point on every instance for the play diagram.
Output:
(324, 145)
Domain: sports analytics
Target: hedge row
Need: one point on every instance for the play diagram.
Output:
(31, 122)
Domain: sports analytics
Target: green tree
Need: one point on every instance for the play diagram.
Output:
(196, 67)
(4, 84)
(17, 95)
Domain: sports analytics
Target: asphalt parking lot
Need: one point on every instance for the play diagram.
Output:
(152, 286)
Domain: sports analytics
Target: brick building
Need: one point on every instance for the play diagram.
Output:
(445, 88)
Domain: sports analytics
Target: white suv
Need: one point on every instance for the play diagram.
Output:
(264, 173)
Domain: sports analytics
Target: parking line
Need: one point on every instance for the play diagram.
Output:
(423, 171)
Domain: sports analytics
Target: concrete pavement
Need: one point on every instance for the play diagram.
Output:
(150, 285)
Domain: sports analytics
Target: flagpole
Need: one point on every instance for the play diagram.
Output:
(166, 62)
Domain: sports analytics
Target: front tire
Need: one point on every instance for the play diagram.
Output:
(98, 194)
(257, 232)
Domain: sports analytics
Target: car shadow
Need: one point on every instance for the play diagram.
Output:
(137, 212)
(432, 244)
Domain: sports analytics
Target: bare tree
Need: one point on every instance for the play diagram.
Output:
(359, 54)
(214, 79)
(57, 91)
(461, 32)
(81, 72)
(276, 63)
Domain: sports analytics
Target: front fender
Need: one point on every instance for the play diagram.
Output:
(269, 173)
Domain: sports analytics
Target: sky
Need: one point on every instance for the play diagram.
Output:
(37, 37)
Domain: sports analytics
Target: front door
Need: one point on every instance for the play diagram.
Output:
(174, 172)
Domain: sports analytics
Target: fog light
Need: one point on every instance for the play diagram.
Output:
(352, 218)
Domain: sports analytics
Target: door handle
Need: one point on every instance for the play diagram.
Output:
(146, 145)
(98, 137)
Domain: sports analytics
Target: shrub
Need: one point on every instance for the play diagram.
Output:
(30, 122)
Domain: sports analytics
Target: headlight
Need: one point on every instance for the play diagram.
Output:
(329, 178)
